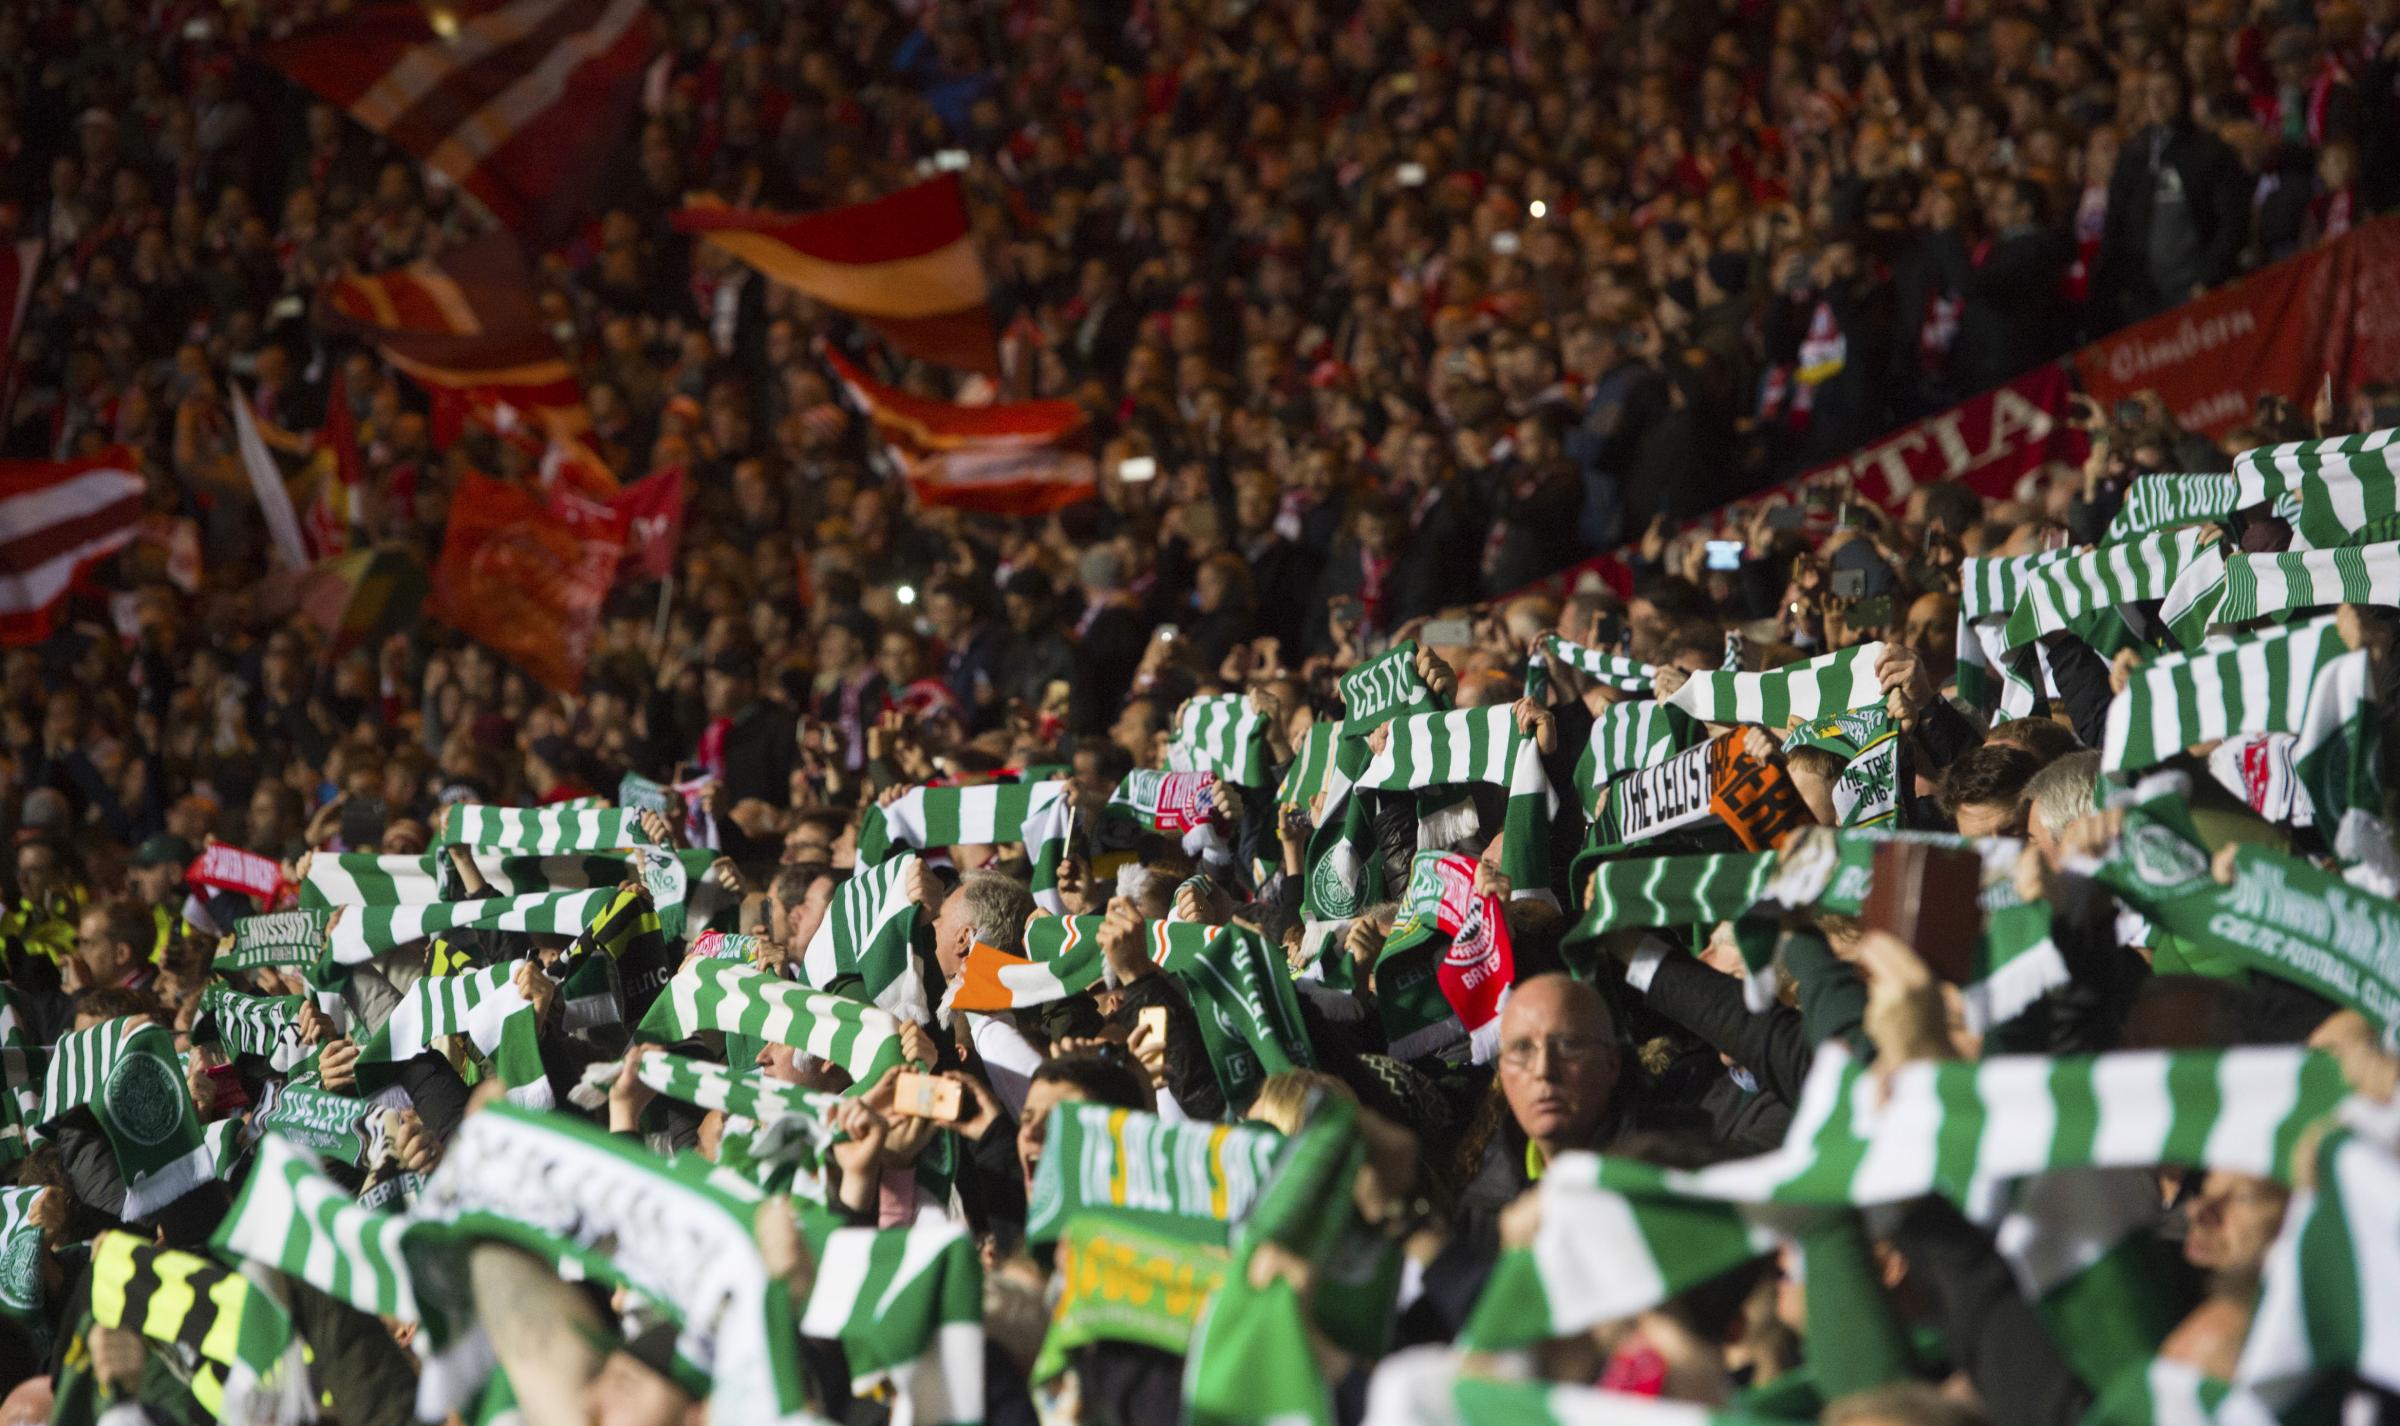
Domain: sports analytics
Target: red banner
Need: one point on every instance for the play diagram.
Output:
(1994, 443)
(526, 578)
(2278, 331)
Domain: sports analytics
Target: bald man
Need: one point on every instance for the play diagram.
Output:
(1560, 1078)
(1558, 1066)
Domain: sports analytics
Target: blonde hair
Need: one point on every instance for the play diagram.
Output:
(1283, 1096)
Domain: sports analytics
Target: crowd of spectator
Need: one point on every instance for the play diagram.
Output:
(1411, 306)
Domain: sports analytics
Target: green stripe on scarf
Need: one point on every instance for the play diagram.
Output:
(1223, 735)
(1476, 745)
(675, 1231)
(486, 1007)
(736, 1000)
(1797, 693)
(1188, 1180)
(1627, 737)
(991, 814)
(866, 933)
(2345, 483)
(547, 830)
(2078, 593)
(1946, 1127)
(1311, 762)
(1626, 675)
(125, 1071)
(2266, 586)
(267, 1026)
(294, 1219)
(2259, 684)
(907, 1306)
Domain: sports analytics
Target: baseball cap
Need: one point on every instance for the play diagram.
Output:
(163, 849)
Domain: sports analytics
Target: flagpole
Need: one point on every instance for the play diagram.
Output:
(658, 626)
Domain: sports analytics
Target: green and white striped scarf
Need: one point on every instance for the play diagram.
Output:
(735, 1000)
(866, 933)
(1240, 990)
(907, 1306)
(280, 938)
(22, 1297)
(1188, 1180)
(675, 1231)
(1220, 734)
(125, 1071)
(1628, 737)
(2329, 1299)
(1311, 762)
(2258, 684)
(366, 879)
(989, 814)
(486, 1007)
(1626, 675)
(1384, 687)
(360, 933)
(2168, 498)
(1947, 1126)
(1827, 870)
(1990, 676)
(2077, 593)
(1599, 1255)
(547, 830)
(292, 1218)
(1798, 693)
(775, 1133)
(267, 1026)
(2337, 755)
(2345, 483)
(20, 1087)
(2266, 586)
(746, 1093)
(1476, 745)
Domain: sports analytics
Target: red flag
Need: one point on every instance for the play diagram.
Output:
(905, 264)
(338, 472)
(57, 519)
(653, 511)
(1019, 458)
(528, 578)
(522, 103)
(465, 321)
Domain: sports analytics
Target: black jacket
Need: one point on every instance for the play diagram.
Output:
(2216, 192)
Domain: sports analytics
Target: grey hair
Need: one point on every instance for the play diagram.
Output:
(997, 906)
(2065, 790)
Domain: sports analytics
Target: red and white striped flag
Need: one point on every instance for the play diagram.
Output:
(905, 264)
(57, 518)
(465, 321)
(1017, 458)
(521, 103)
